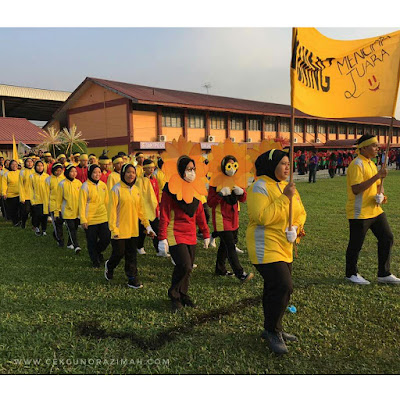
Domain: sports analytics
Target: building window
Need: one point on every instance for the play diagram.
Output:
(218, 122)
(298, 126)
(196, 121)
(254, 125)
(342, 129)
(367, 130)
(375, 131)
(381, 131)
(171, 120)
(237, 123)
(359, 130)
(351, 129)
(331, 128)
(310, 127)
(321, 127)
(285, 125)
(270, 124)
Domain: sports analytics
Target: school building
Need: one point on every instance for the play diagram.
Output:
(126, 117)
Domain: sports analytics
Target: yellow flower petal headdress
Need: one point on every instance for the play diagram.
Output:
(184, 190)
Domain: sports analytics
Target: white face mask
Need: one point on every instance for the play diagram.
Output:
(230, 172)
(190, 176)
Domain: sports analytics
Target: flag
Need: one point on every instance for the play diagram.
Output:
(15, 151)
(344, 78)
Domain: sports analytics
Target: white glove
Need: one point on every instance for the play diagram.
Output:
(238, 190)
(163, 247)
(379, 198)
(225, 191)
(291, 235)
(206, 243)
(149, 231)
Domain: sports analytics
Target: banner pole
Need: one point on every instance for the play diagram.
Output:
(291, 159)
(388, 142)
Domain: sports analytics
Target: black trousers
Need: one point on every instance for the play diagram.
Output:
(226, 250)
(38, 218)
(98, 238)
(25, 209)
(3, 208)
(278, 287)
(183, 256)
(13, 209)
(142, 235)
(312, 174)
(127, 248)
(58, 229)
(331, 172)
(358, 229)
(72, 228)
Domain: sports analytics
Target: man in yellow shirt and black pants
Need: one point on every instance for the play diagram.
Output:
(364, 212)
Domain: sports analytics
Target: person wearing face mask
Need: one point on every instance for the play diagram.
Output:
(270, 242)
(177, 230)
(93, 202)
(39, 199)
(10, 192)
(67, 209)
(115, 176)
(125, 209)
(52, 181)
(225, 216)
(24, 190)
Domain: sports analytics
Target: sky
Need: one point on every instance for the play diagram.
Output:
(247, 63)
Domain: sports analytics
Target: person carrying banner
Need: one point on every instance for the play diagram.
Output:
(24, 190)
(270, 242)
(67, 207)
(364, 212)
(39, 199)
(125, 209)
(93, 203)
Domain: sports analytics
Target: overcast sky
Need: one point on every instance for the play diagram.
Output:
(248, 63)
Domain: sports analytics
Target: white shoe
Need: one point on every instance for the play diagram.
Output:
(388, 279)
(44, 234)
(238, 250)
(141, 251)
(359, 280)
(77, 250)
(212, 243)
(159, 254)
(71, 246)
(194, 266)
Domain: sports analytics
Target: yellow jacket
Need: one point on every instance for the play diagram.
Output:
(159, 174)
(51, 187)
(10, 184)
(67, 198)
(24, 184)
(268, 210)
(148, 196)
(38, 190)
(139, 171)
(93, 202)
(113, 179)
(124, 210)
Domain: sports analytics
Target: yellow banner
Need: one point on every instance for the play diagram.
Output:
(15, 151)
(344, 78)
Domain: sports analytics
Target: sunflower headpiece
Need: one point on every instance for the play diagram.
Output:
(184, 190)
(224, 174)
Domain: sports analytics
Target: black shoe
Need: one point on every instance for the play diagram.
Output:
(96, 266)
(246, 277)
(176, 305)
(275, 342)
(101, 258)
(77, 250)
(60, 244)
(108, 274)
(23, 225)
(135, 283)
(187, 302)
(288, 337)
(226, 273)
(17, 224)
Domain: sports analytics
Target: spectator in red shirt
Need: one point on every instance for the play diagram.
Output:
(105, 166)
(82, 168)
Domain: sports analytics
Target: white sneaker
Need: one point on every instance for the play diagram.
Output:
(141, 251)
(212, 243)
(388, 279)
(77, 250)
(358, 279)
(159, 254)
(44, 234)
(71, 246)
(194, 266)
(238, 250)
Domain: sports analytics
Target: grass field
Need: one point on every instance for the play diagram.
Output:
(60, 316)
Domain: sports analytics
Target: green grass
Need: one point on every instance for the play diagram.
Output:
(50, 298)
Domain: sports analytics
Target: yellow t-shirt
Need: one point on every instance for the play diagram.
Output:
(363, 205)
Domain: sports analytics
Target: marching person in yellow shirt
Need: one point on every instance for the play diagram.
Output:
(270, 242)
(115, 176)
(125, 209)
(364, 212)
(24, 190)
(93, 202)
(10, 192)
(67, 207)
(52, 181)
(39, 199)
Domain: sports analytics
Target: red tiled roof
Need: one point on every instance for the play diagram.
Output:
(23, 131)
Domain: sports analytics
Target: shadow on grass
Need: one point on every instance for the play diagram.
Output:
(94, 330)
